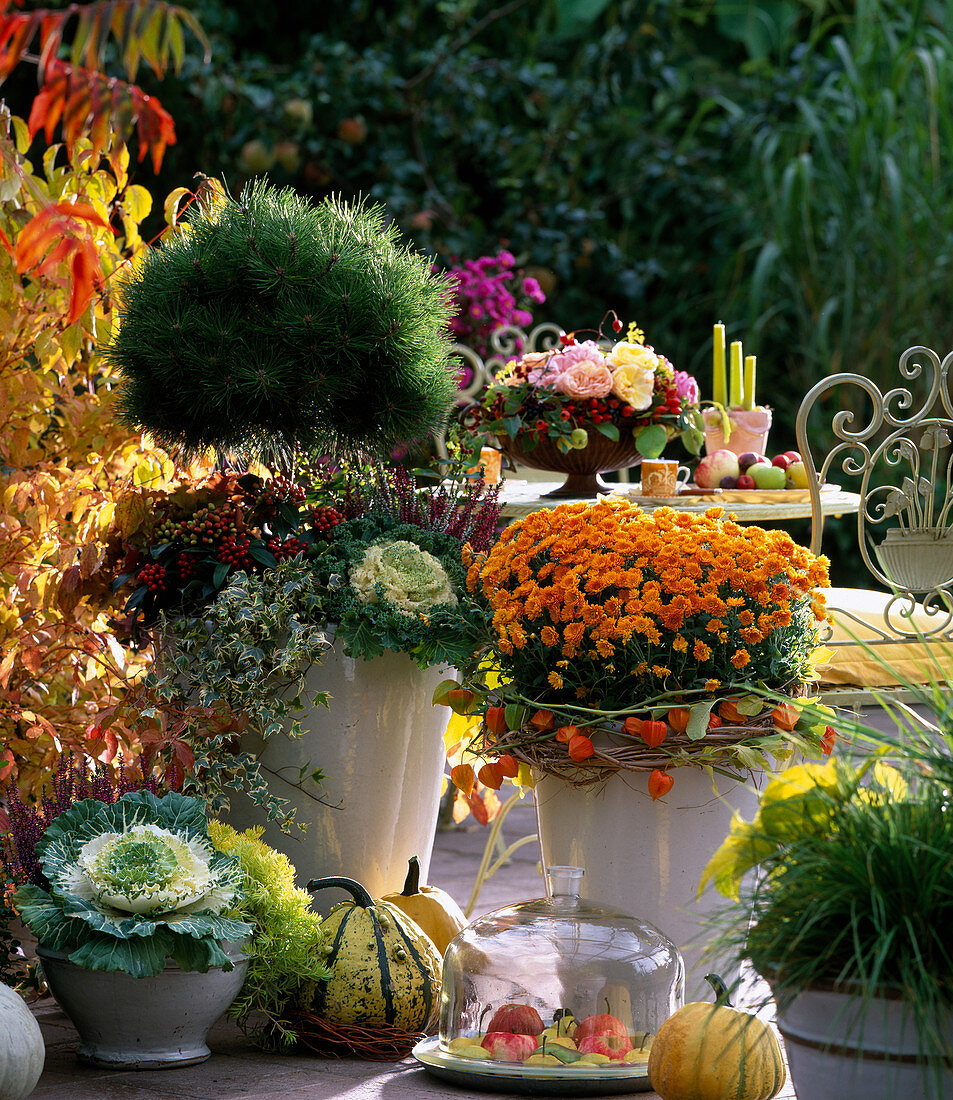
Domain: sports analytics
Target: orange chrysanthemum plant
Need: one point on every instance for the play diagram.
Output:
(645, 641)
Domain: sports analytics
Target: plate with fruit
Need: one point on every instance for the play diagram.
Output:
(752, 477)
(596, 1056)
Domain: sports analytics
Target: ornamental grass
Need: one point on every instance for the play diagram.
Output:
(668, 630)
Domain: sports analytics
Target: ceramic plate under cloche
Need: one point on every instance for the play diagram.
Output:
(530, 1080)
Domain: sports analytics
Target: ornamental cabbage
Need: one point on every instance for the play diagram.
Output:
(133, 884)
(407, 577)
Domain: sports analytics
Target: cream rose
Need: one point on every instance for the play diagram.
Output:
(634, 385)
(585, 379)
(626, 354)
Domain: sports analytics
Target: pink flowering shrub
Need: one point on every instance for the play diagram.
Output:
(490, 292)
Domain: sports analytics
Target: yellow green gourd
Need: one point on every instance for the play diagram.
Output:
(433, 909)
(715, 1052)
(385, 970)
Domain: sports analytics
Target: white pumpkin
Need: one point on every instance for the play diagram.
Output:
(21, 1047)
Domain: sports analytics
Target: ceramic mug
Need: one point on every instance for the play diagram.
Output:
(663, 477)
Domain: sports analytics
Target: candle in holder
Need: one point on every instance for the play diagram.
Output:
(735, 386)
(720, 380)
(749, 382)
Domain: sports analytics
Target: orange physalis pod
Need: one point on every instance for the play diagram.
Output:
(580, 747)
(828, 740)
(543, 720)
(495, 719)
(460, 700)
(463, 778)
(508, 765)
(678, 718)
(633, 726)
(491, 776)
(566, 733)
(713, 721)
(729, 711)
(785, 716)
(654, 733)
(660, 783)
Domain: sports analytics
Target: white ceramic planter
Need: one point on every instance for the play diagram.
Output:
(380, 746)
(142, 1023)
(842, 1049)
(917, 560)
(645, 857)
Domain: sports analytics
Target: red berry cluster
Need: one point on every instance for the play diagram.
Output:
(287, 549)
(324, 518)
(153, 577)
(598, 410)
(671, 406)
(203, 528)
(188, 566)
(234, 550)
(285, 489)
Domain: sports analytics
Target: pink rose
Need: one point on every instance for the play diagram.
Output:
(588, 350)
(585, 380)
(687, 388)
(542, 368)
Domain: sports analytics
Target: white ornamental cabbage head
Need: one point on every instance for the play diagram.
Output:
(408, 578)
(147, 869)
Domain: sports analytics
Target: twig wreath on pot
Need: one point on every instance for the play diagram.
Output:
(629, 650)
(273, 331)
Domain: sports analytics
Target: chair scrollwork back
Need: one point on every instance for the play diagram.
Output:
(895, 449)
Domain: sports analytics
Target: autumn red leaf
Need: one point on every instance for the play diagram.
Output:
(463, 778)
(61, 234)
(828, 740)
(660, 783)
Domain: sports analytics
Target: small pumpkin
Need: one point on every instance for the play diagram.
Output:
(432, 908)
(22, 1052)
(384, 967)
(715, 1052)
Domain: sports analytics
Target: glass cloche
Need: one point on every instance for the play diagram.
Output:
(559, 968)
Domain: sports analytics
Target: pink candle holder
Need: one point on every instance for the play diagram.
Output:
(749, 430)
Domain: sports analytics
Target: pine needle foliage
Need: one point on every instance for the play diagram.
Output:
(271, 325)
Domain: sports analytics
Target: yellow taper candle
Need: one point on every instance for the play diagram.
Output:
(749, 381)
(720, 380)
(734, 386)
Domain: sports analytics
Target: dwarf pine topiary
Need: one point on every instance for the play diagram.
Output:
(271, 325)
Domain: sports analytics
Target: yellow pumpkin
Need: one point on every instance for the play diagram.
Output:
(433, 909)
(384, 968)
(715, 1052)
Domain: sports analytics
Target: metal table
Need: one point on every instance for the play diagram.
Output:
(519, 498)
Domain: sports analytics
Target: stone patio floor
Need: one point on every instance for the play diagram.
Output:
(237, 1072)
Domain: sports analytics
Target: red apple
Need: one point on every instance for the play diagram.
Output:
(745, 481)
(505, 1046)
(517, 1020)
(602, 1024)
(792, 456)
(713, 467)
(612, 1046)
(781, 461)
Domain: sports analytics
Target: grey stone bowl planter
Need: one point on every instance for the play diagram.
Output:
(142, 1023)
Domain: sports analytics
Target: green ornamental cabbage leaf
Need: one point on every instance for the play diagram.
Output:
(133, 884)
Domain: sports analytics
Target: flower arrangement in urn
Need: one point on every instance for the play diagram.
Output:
(585, 394)
(623, 639)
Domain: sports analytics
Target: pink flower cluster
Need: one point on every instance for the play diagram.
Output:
(482, 291)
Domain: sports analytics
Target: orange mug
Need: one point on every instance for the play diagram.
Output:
(663, 477)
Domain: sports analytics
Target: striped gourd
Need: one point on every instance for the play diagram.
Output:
(384, 967)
